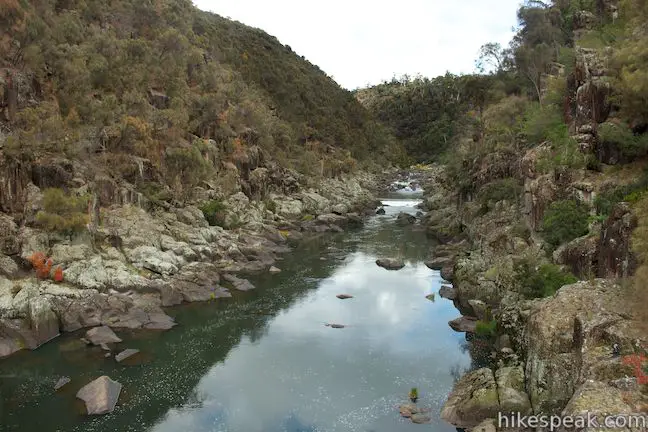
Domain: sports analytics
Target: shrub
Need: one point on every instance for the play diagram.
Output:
(271, 205)
(543, 281)
(63, 213)
(502, 189)
(624, 139)
(486, 329)
(565, 221)
(608, 198)
(214, 212)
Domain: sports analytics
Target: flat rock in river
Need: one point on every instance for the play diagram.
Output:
(344, 296)
(100, 396)
(405, 219)
(102, 335)
(126, 354)
(390, 263)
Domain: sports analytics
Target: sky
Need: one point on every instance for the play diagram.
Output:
(364, 42)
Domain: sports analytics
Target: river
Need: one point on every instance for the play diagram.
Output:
(263, 361)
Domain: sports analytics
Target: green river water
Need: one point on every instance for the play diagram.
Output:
(263, 361)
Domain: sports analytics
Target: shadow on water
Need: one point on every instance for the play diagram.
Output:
(263, 361)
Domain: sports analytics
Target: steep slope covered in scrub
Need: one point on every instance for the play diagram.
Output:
(155, 80)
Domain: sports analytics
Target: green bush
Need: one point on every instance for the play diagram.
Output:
(564, 221)
(62, 212)
(608, 198)
(543, 281)
(499, 190)
(214, 212)
(486, 329)
(624, 139)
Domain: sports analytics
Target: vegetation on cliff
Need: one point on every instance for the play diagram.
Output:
(159, 92)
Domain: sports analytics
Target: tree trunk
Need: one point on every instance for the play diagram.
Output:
(12, 97)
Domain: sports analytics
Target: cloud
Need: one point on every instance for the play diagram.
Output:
(362, 42)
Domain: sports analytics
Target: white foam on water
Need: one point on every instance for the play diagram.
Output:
(401, 203)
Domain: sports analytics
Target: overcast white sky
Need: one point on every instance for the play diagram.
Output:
(360, 42)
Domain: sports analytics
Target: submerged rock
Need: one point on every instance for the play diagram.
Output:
(238, 283)
(390, 263)
(100, 396)
(61, 382)
(336, 326)
(102, 335)
(421, 418)
(405, 219)
(408, 409)
(463, 324)
(126, 354)
(344, 296)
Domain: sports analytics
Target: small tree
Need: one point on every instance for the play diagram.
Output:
(564, 221)
(63, 213)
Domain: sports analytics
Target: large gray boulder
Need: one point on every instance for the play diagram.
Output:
(102, 335)
(100, 396)
(473, 400)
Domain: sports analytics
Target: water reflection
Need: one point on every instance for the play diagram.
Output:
(264, 361)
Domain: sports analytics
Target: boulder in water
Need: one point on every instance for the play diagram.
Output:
(100, 396)
(380, 211)
(238, 283)
(405, 219)
(274, 270)
(344, 296)
(390, 263)
(335, 326)
(102, 335)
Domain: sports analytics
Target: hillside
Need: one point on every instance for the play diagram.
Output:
(167, 85)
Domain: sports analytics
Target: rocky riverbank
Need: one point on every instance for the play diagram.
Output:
(560, 354)
(136, 260)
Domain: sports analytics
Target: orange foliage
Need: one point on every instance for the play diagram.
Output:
(42, 264)
(58, 274)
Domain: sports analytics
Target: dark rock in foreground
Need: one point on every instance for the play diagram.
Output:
(390, 263)
(380, 211)
(464, 324)
(100, 396)
(102, 335)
